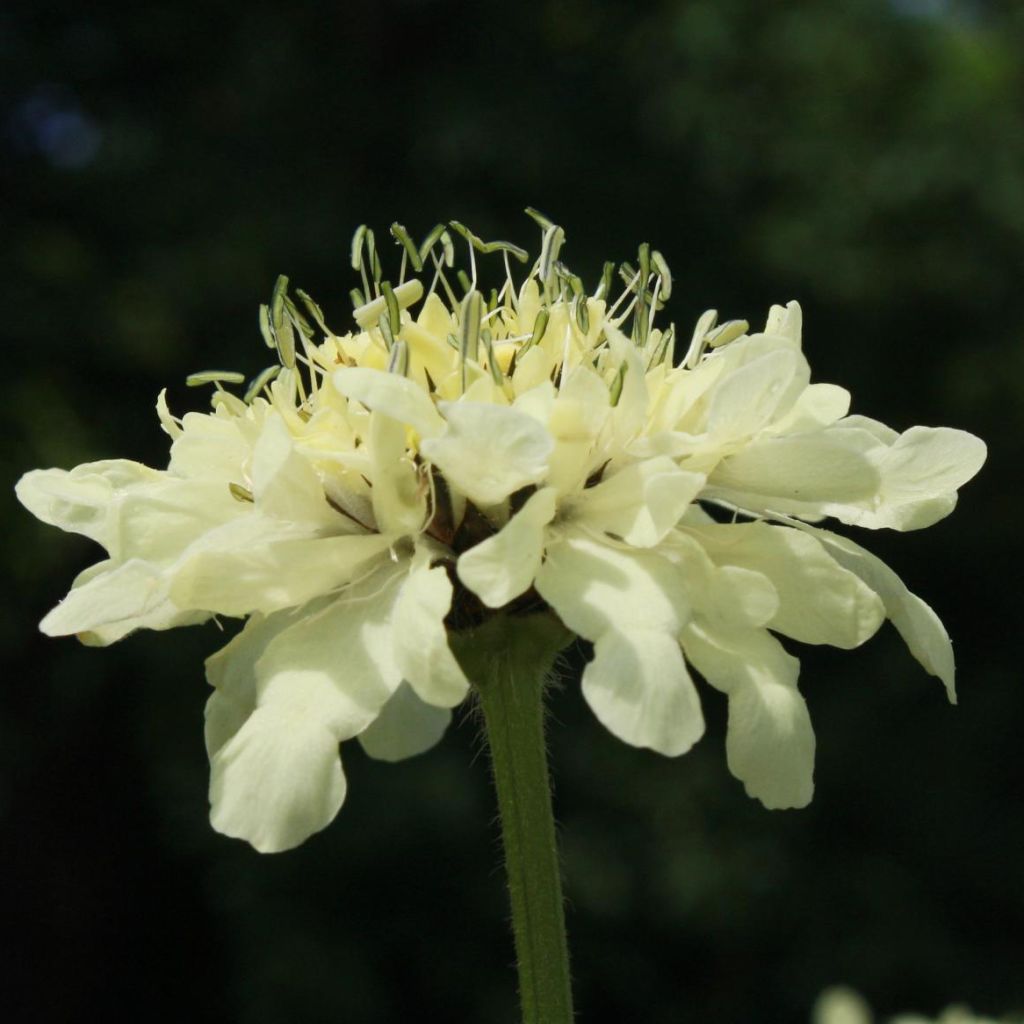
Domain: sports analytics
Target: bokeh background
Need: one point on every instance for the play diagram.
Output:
(163, 162)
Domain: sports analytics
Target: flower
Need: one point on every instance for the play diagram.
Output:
(841, 1005)
(379, 490)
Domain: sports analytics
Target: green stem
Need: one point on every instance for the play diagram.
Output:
(509, 660)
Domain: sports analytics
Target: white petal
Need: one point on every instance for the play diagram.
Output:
(576, 420)
(801, 472)
(769, 741)
(538, 401)
(785, 321)
(210, 447)
(921, 473)
(421, 640)
(641, 503)
(168, 423)
(340, 660)
(504, 566)
(284, 483)
(323, 677)
(277, 780)
(231, 671)
(489, 451)
(125, 594)
(920, 627)
(393, 395)
(820, 602)
(594, 587)
(398, 505)
(747, 399)
(742, 597)
(726, 595)
(160, 521)
(928, 461)
(533, 370)
(639, 688)
(80, 501)
(876, 428)
(406, 726)
(247, 573)
(819, 405)
(630, 412)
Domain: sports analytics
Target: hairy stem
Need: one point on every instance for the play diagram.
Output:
(509, 659)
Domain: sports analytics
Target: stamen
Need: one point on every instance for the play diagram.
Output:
(399, 360)
(553, 239)
(661, 268)
(609, 313)
(452, 301)
(409, 247)
(358, 242)
(426, 249)
(469, 332)
(705, 322)
(405, 295)
(216, 377)
(492, 362)
(265, 326)
(259, 382)
(724, 333)
(509, 284)
(604, 286)
(540, 325)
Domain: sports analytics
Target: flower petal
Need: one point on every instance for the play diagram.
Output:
(80, 501)
(926, 461)
(504, 566)
(391, 394)
(284, 484)
(278, 779)
(820, 602)
(168, 424)
(160, 521)
(726, 595)
(421, 641)
(576, 419)
(638, 687)
(813, 472)
(489, 451)
(398, 505)
(129, 594)
(786, 321)
(231, 672)
(747, 399)
(323, 677)
(769, 741)
(921, 473)
(920, 627)
(406, 726)
(246, 572)
(595, 587)
(340, 658)
(640, 503)
(819, 405)
(630, 411)
(211, 447)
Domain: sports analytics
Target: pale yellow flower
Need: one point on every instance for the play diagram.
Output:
(841, 1005)
(456, 456)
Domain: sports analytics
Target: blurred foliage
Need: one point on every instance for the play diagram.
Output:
(162, 164)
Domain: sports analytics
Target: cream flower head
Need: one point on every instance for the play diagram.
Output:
(841, 1005)
(462, 453)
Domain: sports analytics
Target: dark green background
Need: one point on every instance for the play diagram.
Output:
(163, 162)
